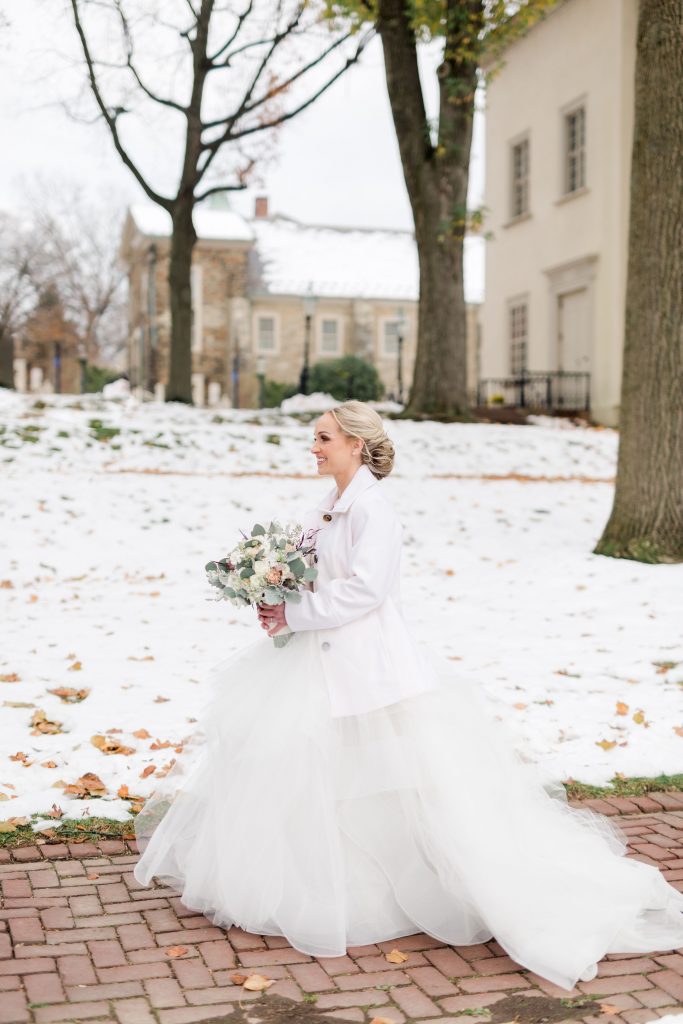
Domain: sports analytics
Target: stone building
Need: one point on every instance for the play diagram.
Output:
(47, 350)
(265, 289)
(559, 127)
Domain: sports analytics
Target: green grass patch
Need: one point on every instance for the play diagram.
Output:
(622, 786)
(81, 831)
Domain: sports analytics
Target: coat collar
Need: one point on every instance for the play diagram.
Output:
(359, 482)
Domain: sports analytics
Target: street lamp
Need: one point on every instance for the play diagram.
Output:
(309, 310)
(401, 325)
(261, 374)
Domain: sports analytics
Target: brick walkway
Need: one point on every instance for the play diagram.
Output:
(81, 940)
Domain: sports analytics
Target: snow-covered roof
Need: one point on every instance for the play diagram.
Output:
(290, 258)
(210, 224)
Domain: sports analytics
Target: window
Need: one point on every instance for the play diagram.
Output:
(575, 149)
(520, 178)
(197, 307)
(390, 339)
(329, 336)
(265, 334)
(519, 319)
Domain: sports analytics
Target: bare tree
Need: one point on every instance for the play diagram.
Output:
(80, 239)
(227, 78)
(20, 258)
(646, 522)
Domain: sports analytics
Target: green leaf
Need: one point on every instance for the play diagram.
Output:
(298, 566)
(257, 530)
(246, 572)
(211, 567)
(292, 596)
(310, 572)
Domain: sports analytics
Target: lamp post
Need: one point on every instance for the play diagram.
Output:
(261, 374)
(236, 374)
(401, 325)
(309, 310)
(83, 362)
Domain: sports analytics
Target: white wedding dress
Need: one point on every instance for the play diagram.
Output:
(419, 816)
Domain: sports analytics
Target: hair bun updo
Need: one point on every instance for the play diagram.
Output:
(358, 419)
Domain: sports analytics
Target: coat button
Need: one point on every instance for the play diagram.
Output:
(325, 645)
(327, 517)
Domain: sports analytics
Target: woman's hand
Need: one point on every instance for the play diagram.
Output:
(272, 617)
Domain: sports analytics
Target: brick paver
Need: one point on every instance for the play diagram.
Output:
(81, 940)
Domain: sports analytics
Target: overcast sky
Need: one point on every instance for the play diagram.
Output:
(337, 163)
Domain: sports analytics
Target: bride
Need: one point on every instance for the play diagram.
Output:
(347, 788)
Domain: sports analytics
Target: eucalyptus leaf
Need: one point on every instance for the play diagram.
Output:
(246, 572)
(292, 596)
(310, 572)
(257, 530)
(298, 566)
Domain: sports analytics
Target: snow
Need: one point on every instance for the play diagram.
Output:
(103, 546)
(290, 257)
(352, 263)
(210, 224)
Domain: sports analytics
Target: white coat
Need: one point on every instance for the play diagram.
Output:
(369, 659)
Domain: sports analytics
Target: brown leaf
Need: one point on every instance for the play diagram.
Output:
(122, 792)
(108, 745)
(7, 826)
(69, 695)
(162, 744)
(608, 1008)
(17, 704)
(88, 785)
(622, 709)
(149, 770)
(382, 1020)
(10, 677)
(56, 812)
(257, 982)
(395, 957)
(520, 706)
(142, 734)
(147, 657)
(43, 725)
(18, 756)
(606, 744)
(19, 821)
(238, 979)
(678, 729)
(175, 951)
(48, 764)
(639, 717)
(92, 876)
(161, 700)
(76, 667)
(6, 585)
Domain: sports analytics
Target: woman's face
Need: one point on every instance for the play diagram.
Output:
(335, 452)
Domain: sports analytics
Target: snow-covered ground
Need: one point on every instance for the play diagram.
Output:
(102, 585)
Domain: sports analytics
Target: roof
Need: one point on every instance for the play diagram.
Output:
(292, 258)
(210, 224)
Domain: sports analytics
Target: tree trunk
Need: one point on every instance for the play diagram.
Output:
(436, 178)
(179, 281)
(646, 522)
(6, 358)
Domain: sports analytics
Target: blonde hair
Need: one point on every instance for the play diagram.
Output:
(358, 419)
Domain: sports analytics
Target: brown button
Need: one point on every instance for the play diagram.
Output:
(327, 517)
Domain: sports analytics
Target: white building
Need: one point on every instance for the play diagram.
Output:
(559, 121)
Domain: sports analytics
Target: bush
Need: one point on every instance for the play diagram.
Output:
(96, 377)
(275, 391)
(348, 377)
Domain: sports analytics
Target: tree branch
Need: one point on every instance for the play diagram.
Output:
(110, 118)
(219, 188)
(128, 39)
(238, 28)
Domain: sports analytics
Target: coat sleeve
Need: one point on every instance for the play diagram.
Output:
(373, 564)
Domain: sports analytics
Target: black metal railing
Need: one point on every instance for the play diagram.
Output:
(552, 391)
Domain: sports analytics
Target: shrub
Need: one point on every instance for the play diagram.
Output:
(275, 391)
(348, 377)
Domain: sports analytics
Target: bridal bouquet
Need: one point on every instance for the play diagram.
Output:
(267, 567)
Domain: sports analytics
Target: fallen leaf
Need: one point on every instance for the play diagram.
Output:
(92, 876)
(122, 792)
(161, 700)
(639, 716)
(622, 709)
(76, 667)
(43, 725)
(382, 1020)
(10, 677)
(19, 756)
(6, 585)
(678, 729)
(48, 764)
(110, 746)
(147, 657)
(395, 957)
(69, 695)
(7, 826)
(19, 821)
(606, 744)
(176, 951)
(149, 770)
(56, 812)
(17, 704)
(142, 734)
(257, 982)
(608, 1008)
(162, 744)
(32, 598)
(88, 785)
(520, 706)
(238, 979)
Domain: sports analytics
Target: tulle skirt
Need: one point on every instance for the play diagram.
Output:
(420, 816)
